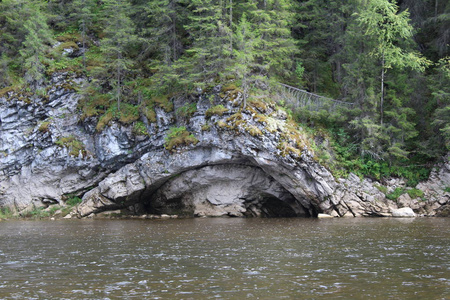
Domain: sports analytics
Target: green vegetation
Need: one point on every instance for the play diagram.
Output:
(139, 128)
(396, 193)
(179, 136)
(218, 110)
(415, 193)
(5, 213)
(75, 146)
(43, 127)
(73, 200)
(187, 110)
(140, 55)
(447, 189)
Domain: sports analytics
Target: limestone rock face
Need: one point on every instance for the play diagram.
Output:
(245, 162)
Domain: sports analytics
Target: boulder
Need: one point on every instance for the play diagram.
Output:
(404, 212)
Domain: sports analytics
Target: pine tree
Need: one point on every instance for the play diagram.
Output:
(82, 12)
(36, 44)
(275, 49)
(119, 37)
(440, 85)
(209, 54)
(165, 29)
(321, 30)
(244, 54)
(382, 23)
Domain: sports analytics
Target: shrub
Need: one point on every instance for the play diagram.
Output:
(163, 102)
(415, 193)
(5, 213)
(44, 126)
(215, 110)
(139, 128)
(395, 194)
(447, 189)
(187, 110)
(73, 201)
(75, 146)
(179, 136)
(127, 114)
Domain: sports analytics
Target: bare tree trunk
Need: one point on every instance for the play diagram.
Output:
(231, 25)
(83, 37)
(382, 89)
(436, 4)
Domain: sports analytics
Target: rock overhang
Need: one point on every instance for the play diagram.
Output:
(209, 181)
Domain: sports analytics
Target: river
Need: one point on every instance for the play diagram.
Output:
(226, 258)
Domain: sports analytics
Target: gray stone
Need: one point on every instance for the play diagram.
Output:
(404, 212)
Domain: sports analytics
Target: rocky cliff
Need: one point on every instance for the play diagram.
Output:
(218, 161)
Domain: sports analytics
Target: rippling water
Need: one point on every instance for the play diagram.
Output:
(229, 258)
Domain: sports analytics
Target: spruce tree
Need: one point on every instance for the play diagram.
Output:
(382, 22)
(165, 29)
(82, 11)
(243, 55)
(209, 32)
(119, 37)
(275, 48)
(36, 44)
(440, 86)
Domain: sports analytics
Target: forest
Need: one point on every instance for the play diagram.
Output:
(391, 59)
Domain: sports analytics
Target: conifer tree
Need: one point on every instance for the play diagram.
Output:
(275, 49)
(209, 54)
(441, 95)
(382, 22)
(36, 44)
(82, 12)
(165, 29)
(119, 36)
(244, 54)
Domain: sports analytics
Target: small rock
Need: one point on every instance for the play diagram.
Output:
(324, 216)
(165, 216)
(68, 216)
(405, 212)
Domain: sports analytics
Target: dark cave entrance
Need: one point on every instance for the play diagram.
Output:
(233, 190)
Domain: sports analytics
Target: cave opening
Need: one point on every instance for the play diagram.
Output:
(223, 190)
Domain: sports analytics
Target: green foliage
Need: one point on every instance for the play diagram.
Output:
(6, 213)
(415, 193)
(179, 136)
(359, 51)
(218, 110)
(73, 144)
(382, 188)
(73, 200)
(163, 102)
(187, 110)
(395, 194)
(43, 127)
(447, 189)
(35, 45)
(139, 128)
(128, 114)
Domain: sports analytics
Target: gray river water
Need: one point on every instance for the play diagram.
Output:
(226, 258)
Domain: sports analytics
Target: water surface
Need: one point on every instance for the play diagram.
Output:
(226, 258)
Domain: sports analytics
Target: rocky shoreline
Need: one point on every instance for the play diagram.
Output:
(223, 162)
